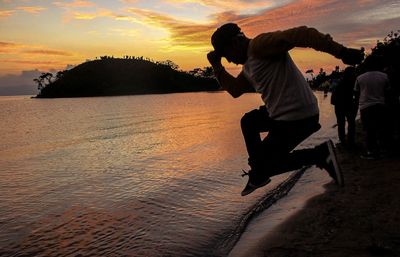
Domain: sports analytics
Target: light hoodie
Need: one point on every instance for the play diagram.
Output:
(372, 86)
(272, 72)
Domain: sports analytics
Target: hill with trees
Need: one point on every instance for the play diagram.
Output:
(109, 76)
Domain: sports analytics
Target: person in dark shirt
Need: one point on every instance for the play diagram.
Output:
(346, 108)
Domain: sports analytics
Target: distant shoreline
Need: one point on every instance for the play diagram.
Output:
(166, 93)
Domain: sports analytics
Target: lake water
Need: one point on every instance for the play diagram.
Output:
(151, 175)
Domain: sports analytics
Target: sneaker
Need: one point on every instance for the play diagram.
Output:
(330, 163)
(255, 181)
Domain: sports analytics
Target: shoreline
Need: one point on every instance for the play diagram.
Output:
(360, 219)
(312, 183)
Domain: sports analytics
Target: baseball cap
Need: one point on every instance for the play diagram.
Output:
(223, 36)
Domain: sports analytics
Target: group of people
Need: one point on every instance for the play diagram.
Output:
(369, 90)
(291, 113)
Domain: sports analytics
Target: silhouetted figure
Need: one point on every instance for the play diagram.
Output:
(291, 112)
(343, 98)
(393, 102)
(371, 88)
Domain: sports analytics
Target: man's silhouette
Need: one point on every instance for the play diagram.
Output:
(343, 98)
(291, 112)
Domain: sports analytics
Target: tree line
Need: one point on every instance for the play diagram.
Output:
(47, 78)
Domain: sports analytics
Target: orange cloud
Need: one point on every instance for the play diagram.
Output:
(189, 34)
(182, 32)
(330, 16)
(129, 1)
(6, 13)
(75, 4)
(34, 62)
(48, 52)
(99, 13)
(9, 47)
(353, 23)
(339, 18)
(31, 9)
(6, 44)
(85, 16)
(16, 48)
(232, 5)
(296, 13)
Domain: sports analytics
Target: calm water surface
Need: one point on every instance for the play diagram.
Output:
(153, 175)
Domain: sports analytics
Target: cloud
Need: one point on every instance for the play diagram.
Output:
(182, 32)
(75, 4)
(6, 13)
(344, 20)
(48, 52)
(19, 84)
(72, 7)
(6, 44)
(31, 9)
(34, 62)
(93, 15)
(269, 17)
(231, 5)
(22, 83)
(351, 21)
(85, 16)
(129, 1)
(9, 47)
(98, 13)
(17, 48)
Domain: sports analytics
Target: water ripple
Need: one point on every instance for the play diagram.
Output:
(151, 175)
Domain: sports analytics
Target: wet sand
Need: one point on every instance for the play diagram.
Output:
(361, 219)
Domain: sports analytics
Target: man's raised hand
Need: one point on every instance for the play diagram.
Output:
(214, 59)
(351, 56)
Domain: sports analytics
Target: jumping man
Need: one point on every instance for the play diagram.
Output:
(291, 113)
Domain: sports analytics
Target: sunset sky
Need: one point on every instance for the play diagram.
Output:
(47, 35)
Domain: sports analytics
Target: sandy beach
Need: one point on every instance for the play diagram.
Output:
(361, 219)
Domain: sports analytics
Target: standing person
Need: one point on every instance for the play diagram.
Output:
(291, 112)
(371, 88)
(343, 98)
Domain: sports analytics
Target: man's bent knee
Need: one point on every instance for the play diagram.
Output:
(248, 119)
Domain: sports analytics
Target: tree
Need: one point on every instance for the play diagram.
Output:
(46, 76)
(42, 79)
(170, 64)
(60, 74)
(208, 72)
(197, 72)
(39, 82)
(389, 48)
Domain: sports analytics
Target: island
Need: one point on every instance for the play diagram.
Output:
(109, 76)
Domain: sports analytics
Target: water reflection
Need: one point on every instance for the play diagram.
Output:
(152, 175)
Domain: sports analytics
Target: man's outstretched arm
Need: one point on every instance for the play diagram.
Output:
(235, 86)
(275, 43)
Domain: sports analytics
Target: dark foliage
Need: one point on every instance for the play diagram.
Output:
(128, 76)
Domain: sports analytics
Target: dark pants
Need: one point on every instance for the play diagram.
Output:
(375, 125)
(343, 114)
(274, 154)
